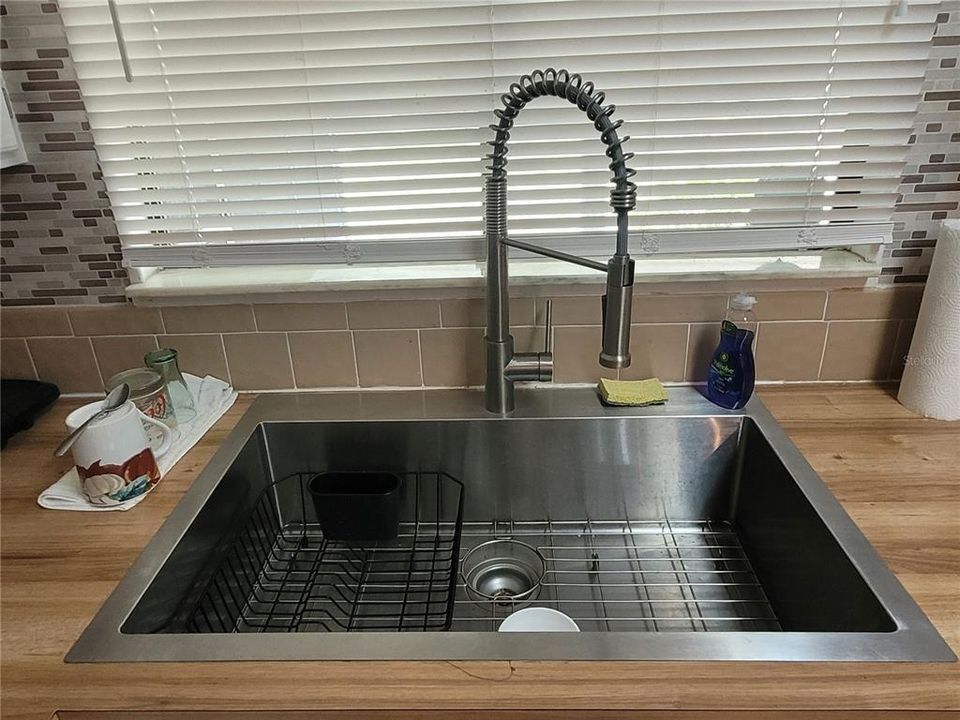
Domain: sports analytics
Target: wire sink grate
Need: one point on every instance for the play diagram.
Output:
(281, 575)
(626, 576)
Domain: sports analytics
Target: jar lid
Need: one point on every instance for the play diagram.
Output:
(142, 381)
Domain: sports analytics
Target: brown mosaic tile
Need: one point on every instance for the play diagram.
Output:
(55, 106)
(78, 292)
(942, 95)
(44, 85)
(940, 168)
(30, 64)
(67, 147)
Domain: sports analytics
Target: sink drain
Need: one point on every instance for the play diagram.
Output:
(503, 572)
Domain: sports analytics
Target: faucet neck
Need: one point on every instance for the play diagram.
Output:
(503, 365)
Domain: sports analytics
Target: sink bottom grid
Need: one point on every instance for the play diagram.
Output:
(622, 576)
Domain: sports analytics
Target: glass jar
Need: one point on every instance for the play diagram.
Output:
(164, 361)
(149, 394)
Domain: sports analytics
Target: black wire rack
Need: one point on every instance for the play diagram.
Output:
(281, 575)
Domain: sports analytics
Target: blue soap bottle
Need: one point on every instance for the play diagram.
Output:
(731, 374)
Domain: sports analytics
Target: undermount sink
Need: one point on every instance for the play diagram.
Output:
(667, 533)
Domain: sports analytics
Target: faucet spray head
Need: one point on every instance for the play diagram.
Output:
(617, 303)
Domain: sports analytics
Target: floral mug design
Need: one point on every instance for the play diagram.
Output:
(113, 455)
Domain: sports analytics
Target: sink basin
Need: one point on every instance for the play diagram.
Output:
(667, 533)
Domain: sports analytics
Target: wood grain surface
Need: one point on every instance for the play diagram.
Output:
(896, 474)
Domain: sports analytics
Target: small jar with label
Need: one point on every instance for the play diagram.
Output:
(148, 392)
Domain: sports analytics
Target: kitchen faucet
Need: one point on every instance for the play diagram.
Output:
(504, 366)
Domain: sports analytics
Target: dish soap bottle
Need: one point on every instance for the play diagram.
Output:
(731, 375)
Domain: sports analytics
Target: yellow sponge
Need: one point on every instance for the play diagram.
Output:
(632, 392)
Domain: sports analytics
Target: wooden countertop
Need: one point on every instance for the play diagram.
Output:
(897, 475)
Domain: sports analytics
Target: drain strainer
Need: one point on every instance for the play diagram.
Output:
(503, 571)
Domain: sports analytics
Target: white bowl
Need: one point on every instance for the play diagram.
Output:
(538, 619)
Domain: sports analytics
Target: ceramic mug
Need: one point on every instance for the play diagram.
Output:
(113, 455)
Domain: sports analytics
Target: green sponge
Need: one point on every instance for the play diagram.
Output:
(632, 392)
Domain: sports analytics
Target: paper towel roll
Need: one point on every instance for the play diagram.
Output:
(931, 376)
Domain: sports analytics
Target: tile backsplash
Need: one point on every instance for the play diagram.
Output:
(930, 180)
(59, 242)
(806, 335)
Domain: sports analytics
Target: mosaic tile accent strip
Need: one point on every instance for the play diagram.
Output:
(930, 184)
(58, 243)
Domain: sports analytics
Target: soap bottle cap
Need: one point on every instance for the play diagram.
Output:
(742, 301)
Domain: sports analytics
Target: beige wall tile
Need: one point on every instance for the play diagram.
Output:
(526, 339)
(576, 310)
(67, 362)
(789, 350)
(301, 316)
(323, 359)
(377, 314)
(799, 305)
(472, 312)
(115, 320)
(902, 348)
(388, 357)
(199, 355)
(209, 319)
(875, 304)
(576, 353)
(859, 350)
(678, 308)
(115, 354)
(453, 357)
(33, 322)
(259, 361)
(692, 308)
(15, 363)
(701, 345)
(657, 351)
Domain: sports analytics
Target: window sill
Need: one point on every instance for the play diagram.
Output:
(829, 268)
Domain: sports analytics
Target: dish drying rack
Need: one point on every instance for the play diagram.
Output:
(280, 574)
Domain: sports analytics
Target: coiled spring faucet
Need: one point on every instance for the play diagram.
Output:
(504, 366)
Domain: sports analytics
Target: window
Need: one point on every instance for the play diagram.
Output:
(342, 132)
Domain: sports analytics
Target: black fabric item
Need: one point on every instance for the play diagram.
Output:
(22, 402)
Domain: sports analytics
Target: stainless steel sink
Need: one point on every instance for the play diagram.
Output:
(668, 533)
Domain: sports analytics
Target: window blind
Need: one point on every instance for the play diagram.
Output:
(315, 131)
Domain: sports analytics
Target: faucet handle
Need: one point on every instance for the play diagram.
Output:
(548, 329)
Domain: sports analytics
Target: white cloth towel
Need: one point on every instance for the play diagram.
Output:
(212, 398)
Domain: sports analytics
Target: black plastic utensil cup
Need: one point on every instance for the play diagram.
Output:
(353, 506)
